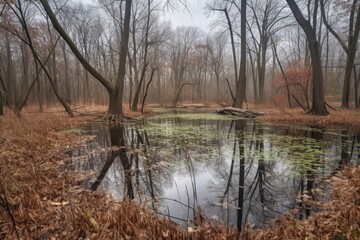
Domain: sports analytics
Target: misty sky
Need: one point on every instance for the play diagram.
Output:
(193, 16)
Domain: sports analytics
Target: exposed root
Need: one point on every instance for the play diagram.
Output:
(114, 119)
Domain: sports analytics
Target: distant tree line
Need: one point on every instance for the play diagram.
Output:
(121, 53)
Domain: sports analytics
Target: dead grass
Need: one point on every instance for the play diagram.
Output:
(345, 118)
(38, 201)
(339, 219)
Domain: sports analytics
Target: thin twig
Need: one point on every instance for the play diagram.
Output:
(9, 212)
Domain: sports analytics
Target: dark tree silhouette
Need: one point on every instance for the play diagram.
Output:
(318, 101)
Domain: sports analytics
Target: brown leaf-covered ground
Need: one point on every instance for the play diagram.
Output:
(38, 201)
(344, 118)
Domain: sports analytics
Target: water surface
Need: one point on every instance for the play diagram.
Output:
(231, 170)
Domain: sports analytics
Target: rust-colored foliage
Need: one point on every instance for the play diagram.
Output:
(339, 218)
(297, 81)
(42, 202)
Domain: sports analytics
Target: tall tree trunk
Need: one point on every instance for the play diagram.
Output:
(254, 77)
(147, 89)
(131, 80)
(25, 77)
(241, 82)
(350, 59)
(318, 102)
(232, 47)
(116, 96)
(67, 80)
(10, 78)
(138, 89)
(262, 69)
(145, 63)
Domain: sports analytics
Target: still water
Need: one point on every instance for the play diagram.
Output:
(234, 171)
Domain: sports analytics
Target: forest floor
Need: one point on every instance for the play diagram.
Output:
(39, 201)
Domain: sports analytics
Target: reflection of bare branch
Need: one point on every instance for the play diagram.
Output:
(2, 10)
(231, 170)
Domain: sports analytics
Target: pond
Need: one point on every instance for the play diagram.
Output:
(232, 170)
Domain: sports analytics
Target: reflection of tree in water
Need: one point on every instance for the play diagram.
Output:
(129, 151)
(118, 151)
(349, 146)
(264, 188)
(249, 167)
(308, 177)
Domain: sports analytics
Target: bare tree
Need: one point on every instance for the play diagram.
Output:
(318, 101)
(268, 17)
(216, 45)
(241, 82)
(182, 45)
(20, 11)
(115, 91)
(349, 48)
(145, 55)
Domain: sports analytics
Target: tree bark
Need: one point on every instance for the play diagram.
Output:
(147, 89)
(115, 106)
(232, 47)
(138, 89)
(241, 82)
(262, 69)
(318, 102)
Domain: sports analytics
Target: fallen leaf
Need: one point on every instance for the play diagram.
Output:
(191, 230)
(59, 203)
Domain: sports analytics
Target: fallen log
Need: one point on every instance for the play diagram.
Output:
(239, 112)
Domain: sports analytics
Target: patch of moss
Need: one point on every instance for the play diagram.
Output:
(75, 131)
(194, 116)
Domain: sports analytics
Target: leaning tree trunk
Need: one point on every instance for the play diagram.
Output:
(147, 89)
(179, 93)
(318, 102)
(115, 92)
(134, 106)
(36, 57)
